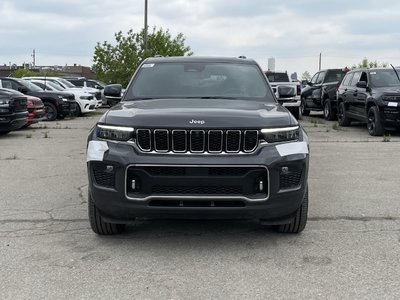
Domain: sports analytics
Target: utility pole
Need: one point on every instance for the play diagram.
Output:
(145, 26)
(33, 58)
(320, 56)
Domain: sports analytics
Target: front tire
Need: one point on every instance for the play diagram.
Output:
(343, 119)
(78, 111)
(303, 108)
(300, 220)
(50, 112)
(97, 222)
(328, 112)
(374, 124)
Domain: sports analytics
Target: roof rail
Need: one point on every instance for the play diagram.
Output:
(242, 56)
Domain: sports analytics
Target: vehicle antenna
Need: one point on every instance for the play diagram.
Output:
(397, 74)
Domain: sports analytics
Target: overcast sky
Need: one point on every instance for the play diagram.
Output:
(293, 31)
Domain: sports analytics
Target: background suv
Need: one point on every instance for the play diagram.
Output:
(320, 93)
(371, 96)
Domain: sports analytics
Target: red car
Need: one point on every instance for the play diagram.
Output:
(36, 111)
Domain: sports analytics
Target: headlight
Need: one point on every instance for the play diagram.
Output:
(114, 132)
(285, 134)
(86, 97)
(2, 102)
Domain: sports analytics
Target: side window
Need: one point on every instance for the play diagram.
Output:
(314, 79)
(364, 77)
(9, 84)
(78, 83)
(347, 79)
(356, 78)
(91, 84)
(321, 77)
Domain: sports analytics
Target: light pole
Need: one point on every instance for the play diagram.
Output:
(145, 26)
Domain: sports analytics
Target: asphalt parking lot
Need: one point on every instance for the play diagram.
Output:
(350, 248)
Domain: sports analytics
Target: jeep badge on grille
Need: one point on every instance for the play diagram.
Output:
(197, 122)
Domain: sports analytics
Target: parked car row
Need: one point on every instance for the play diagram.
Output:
(29, 100)
(369, 95)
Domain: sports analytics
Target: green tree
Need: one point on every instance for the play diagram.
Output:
(306, 76)
(28, 72)
(23, 72)
(365, 63)
(117, 63)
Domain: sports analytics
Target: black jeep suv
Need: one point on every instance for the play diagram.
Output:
(197, 138)
(320, 93)
(371, 96)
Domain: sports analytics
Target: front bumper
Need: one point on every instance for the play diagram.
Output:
(67, 108)
(99, 103)
(163, 195)
(36, 115)
(87, 105)
(390, 115)
(290, 102)
(13, 121)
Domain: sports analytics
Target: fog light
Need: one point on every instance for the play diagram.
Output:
(284, 170)
(133, 185)
(109, 169)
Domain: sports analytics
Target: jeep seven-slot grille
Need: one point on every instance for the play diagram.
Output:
(197, 140)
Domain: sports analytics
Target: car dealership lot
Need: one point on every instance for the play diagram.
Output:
(349, 249)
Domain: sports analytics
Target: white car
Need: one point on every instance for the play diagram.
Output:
(65, 84)
(86, 102)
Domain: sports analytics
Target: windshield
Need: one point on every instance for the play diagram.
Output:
(66, 83)
(30, 85)
(53, 85)
(199, 80)
(383, 78)
(277, 77)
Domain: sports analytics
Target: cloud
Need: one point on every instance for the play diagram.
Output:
(294, 32)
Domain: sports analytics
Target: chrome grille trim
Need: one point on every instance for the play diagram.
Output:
(138, 132)
(228, 133)
(222, 140)
(188, 141)
(155, 140)
(191, 141)
(244, 141)
(174, 132)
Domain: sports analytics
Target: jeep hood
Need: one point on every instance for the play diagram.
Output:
(198, 113)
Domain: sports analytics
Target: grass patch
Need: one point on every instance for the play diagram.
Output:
(386, 138)
(12, 157)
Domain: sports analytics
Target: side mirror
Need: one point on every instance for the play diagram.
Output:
(113, 93)
(304, 82)
(113, 90)
(361, 84)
